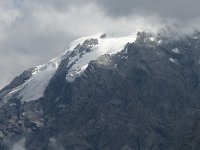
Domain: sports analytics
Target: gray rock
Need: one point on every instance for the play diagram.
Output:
(136, 99)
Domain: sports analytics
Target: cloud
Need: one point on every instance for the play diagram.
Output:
(53, 145)
(32, 32)
(20, 145)
(182, 10)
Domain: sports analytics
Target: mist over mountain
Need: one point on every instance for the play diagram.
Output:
(32, 32)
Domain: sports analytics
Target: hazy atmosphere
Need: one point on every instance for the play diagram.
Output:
(34, 31)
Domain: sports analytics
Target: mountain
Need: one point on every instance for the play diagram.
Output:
(138, 92)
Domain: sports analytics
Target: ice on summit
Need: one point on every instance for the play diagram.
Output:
(106, 45)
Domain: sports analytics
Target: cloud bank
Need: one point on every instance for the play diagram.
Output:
(32, 32)
(20, 145)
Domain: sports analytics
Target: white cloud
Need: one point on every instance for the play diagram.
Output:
(53, 145)
(32, 32)
(35, 33)
(20, 145)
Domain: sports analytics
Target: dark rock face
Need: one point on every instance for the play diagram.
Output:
(84, 48)
(145, 97)
(17, 81)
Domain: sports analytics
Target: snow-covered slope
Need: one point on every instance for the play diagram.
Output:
(106, 45)
(80, 53)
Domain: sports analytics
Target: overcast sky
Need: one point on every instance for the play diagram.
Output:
(34, 31)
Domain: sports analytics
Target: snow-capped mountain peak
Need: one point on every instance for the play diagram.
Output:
(79, 54)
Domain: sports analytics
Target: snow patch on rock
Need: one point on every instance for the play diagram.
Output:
(176, 50)
(172, 60)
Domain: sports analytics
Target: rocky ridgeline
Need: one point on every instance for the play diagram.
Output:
(144, 97)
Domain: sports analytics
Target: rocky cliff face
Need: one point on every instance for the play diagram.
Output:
(144, 96)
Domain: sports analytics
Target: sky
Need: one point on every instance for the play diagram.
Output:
(34, 31)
